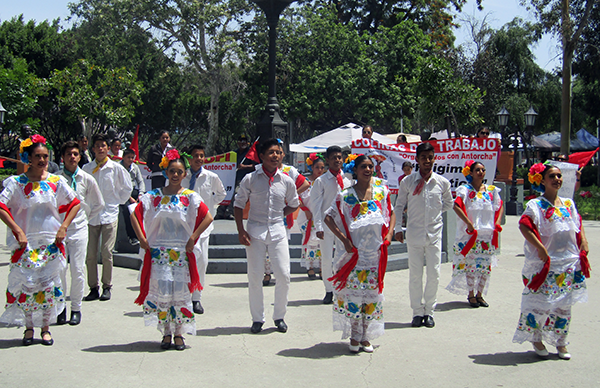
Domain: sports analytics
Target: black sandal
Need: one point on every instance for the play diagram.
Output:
(311, 276)
(164, 344)
(47, 342)
(267, 279)
(27, 341)
(473, 304)
(482, 302)
(182, 345)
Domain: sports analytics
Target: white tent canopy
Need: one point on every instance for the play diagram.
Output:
(342, 136)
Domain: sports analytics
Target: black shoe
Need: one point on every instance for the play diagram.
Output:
(164, 345)
(75, 318)
(311, 276)
(417, 321)
(27, 341)
(266, 280)
(93, 295)
(256, 327)
(61, 319)
(281, 326)
(181, 346)
(474, 304)
(328, 299)
(482, 302)
(47, 342)
(105, 294)
(428, 321)
(198, 309)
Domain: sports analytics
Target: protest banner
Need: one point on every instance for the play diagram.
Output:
(224, 166)
(569, 175)
(450, 157)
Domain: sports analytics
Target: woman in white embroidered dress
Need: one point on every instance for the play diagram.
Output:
(361, 217)
(478, 208)
(30, 205)
(168, 222)
(555, 267)
(311, 250)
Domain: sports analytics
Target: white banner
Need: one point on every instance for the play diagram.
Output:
(450, 158)
(224, 166)
(569, 175)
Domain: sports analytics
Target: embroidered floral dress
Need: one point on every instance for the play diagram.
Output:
(358, 307)
(169, 221)
(546, 313)
(34, 295)
(471, 272)
(311, 249)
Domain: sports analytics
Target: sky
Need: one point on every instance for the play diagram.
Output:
(501, 12)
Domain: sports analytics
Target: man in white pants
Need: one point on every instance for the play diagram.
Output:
(77, 234)
(324, 190)
(209, 186)
(272, 196)
(427, 196)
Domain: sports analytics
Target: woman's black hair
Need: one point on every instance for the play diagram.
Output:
(178, 160)
(475, 163)
(360, 159)
(32, 147)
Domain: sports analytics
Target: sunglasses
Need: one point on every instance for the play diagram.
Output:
(484, 133)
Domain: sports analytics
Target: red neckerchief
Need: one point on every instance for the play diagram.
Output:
(421, 183)
(270, 175)
(338, 175)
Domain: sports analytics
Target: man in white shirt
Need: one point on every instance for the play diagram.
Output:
(324, 190)
(77, 234)
(427, 196)
(272, 196)
(115, 185)
(209, 186)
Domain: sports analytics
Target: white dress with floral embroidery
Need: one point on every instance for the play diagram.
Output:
(360, 305)
(34, 295)
(169, 222)
(311, 251)
(471, 272)
(546, 313)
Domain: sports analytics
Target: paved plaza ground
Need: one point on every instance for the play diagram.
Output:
(467, 348)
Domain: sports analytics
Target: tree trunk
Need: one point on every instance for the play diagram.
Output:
(213, 120)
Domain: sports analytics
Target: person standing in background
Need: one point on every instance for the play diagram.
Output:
(155, 155)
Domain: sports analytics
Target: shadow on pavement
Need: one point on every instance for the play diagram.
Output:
(11, 343)
(397, 325)
(507, 358)
(134, 288)
(4, 264)
(319, 351)
(135, 314)
(134, 347)
(217, 331)
(448, 306)
(231, 285)
(307, 302)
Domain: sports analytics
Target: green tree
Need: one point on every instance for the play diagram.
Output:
(94, 96)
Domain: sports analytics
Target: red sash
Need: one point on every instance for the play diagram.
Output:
(538, 279)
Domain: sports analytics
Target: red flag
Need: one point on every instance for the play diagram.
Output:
(252, 153)
(2, 160)
(135, 144)
(582, 158)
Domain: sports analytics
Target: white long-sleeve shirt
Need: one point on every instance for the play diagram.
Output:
(92, 203)
(115, 185)
(424, 212)
(211, 189)
(323, 193)
(266, 203)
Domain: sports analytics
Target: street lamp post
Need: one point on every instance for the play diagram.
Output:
(2, 115)
(272, 125)
(513, 206)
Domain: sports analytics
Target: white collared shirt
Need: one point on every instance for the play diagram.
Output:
(211, 189)
(115, 185)
(424, 212)
(266, 203)
(88, 193)
(323, 193)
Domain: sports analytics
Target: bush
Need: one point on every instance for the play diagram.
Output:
(588, 202)
(589, 176)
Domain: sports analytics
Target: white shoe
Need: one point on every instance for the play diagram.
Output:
(565, 356)
(367, 349)
(354, 348)
(541, 352)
